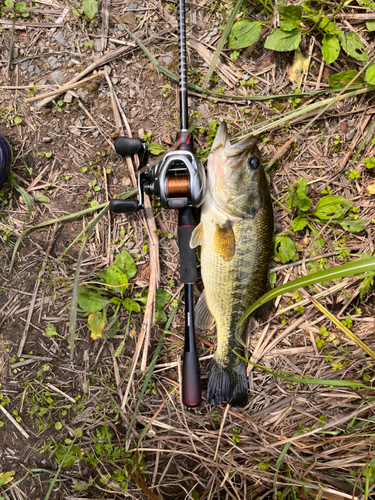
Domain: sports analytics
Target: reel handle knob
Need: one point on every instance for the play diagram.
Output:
(126, 146)
(123, 206)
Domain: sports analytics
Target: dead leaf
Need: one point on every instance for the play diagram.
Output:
(370, 190)
(298, 69)
(96, 324)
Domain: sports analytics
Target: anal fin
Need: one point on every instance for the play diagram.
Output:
(197, 236)
(203, 317)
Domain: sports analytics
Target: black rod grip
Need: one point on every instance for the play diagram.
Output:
(188, 257)
(123, 206)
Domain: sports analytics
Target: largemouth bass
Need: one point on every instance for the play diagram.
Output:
(235, 234)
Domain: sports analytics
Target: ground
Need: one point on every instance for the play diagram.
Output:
(83, 423)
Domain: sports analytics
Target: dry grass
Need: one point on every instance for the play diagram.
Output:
(293, 440)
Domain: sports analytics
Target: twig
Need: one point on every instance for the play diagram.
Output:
(105, 23)
(11, 46)
(14, 422)
(64, 88)
(221, 430)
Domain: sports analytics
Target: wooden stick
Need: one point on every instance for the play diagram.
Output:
(64, 88)
(14, 422)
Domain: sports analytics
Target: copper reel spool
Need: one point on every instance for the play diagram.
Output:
(178, 187)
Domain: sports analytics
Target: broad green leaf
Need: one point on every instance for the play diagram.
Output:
(39, 196)
(20, 6)
(6, 477)
(370, 25)
(331, 206)
(89, 8)
(283, 41)
(162, 298)
(160, 316)
(370, 74)
(327, 25)
(338, 272)
(341, 79)
(353, 46)
(285, 249)
(9, 3)
(156, 149)
(319, 241)
(131, 305)
(51, 330)
(124, 261)
(58, 426)
(298, 195)
(354, 226)
(290, 17)
(244, 33)
(330, 48)
(96, 324)
(116, 278)
(90, 299)
(299, 223)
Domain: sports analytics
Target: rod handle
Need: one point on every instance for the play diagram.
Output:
(191, 380)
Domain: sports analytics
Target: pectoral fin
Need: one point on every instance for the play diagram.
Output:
(224, 242)
(203, 317)
(197, 236)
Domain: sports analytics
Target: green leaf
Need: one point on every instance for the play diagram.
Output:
(89, 8)
(353, 46)
(290, 17)
(244, 33)
(370, 74)
(297, 195)
(90, 300)
(25, 196)
(115, 328)
(162, 298)
(58, 426)
(131, 305)
(156, 149)
(338, 272)
(124, 261)
(285, 249)
(299, 223)
(9, 3)
(6, 477)
(160, 316)
(370, 25)
(96, 324)
(20, 6)
(327, 25)
(341, 79)
(330, 48)
(331, 206)
(17, 120)
(283, 41)
(354, 226)
(51, 330)
(39, 196)
(116, 278)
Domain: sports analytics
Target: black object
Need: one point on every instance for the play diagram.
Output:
(6, 158)
(179, 181)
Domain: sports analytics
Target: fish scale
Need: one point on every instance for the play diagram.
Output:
(235, 234)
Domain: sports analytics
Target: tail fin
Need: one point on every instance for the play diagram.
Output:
(227, 384)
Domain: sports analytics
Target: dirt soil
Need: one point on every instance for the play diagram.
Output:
(66, 430)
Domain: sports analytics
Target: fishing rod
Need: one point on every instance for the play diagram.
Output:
(179, 181)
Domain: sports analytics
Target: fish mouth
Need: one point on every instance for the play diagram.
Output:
(246, 145)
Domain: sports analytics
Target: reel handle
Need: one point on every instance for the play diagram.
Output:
(123, 206)
(126, 146)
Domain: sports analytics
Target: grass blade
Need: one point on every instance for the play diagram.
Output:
(304, 379)
(25, 196)
(65, 218)
(222, 41)
(363, 143)
(350, 269)
(342, 327)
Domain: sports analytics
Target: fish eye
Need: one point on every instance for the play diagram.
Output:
(253, 163)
